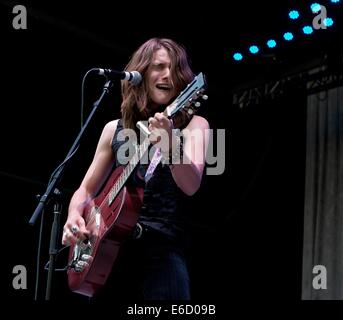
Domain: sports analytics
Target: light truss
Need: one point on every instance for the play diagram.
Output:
(322, 77)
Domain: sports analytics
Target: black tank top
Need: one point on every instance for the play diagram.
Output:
(163, 199)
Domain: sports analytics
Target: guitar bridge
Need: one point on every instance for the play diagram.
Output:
(81, 255)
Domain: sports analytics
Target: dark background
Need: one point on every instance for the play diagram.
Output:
(248, 221)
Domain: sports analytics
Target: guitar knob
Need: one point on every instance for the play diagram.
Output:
(197, 104)
(204, 97)
(190, 111)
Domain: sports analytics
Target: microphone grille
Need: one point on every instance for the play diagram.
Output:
(136, 78)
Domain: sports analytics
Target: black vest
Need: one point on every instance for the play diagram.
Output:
(162, 202)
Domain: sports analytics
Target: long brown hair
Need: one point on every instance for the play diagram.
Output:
(135, 99)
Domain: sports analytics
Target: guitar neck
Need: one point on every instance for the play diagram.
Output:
(138, 155)
(185, 100)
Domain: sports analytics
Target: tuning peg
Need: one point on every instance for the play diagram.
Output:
(205, 97)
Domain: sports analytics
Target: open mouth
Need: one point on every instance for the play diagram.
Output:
(164, 87)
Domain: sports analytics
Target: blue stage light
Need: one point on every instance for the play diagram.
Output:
(288, 36)
(254, 49)
(294, 14)
(315, 7)
(328, 22)
(271, 43)
(237, 56)
(307, 30)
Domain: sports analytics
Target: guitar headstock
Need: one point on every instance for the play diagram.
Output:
(188, 99)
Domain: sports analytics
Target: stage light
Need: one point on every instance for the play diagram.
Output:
(254, 49)
(288, 36)
(294, 14)
(271, 43)
(328, 22)
(319, 9)
(307, 30)
(315, 7)
(238, 56)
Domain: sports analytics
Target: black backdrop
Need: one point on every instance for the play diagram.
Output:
(249, 220)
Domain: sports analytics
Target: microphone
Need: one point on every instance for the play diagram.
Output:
(132, 76)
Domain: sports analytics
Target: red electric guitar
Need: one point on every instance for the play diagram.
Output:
(111, 216)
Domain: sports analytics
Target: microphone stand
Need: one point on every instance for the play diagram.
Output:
(53, 243)
(52, 188)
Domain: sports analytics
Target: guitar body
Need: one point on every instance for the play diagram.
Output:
(109, 225)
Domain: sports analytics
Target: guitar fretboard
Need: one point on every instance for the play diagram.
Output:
(185, 99)
(138, 155)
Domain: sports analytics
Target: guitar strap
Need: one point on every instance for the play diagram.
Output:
(153, 164)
